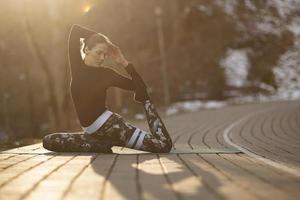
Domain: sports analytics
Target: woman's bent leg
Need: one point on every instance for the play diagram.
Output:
(116, 129)
(156, 125)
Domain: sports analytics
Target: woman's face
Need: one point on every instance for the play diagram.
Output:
(97, 54)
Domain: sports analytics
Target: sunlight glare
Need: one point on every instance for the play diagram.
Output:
(189, 185)
(152, 166)
(87, 8)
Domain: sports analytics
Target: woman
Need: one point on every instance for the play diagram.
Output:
(90, 80)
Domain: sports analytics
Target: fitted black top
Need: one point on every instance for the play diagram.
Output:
(89, 84)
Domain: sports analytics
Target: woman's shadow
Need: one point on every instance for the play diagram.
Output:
(152, 176)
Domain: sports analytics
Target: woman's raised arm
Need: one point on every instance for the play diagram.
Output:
(77, 32)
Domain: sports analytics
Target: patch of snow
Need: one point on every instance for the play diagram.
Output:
(265, 21)
(269, 24)
(253, 98)
(249, 4)
(172, 110)
(193, 106)
(205, 9)
(228, 6)
(214, 104)
(294, 27)
(236, 66)
(266, 87)
(287, 73)
(139, 116)
(284, 7)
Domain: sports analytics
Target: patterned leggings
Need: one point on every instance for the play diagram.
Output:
(115, 132)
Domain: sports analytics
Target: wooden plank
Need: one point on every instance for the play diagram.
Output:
(153, 182)
(259, 162)
(23, 148)
(56, 183)
(262, 136)
(246, 179)
(36, 149)
(4, 164)
(13, 172)
(242, 136)
(286, 127)
(279, 141)
(278, 137)
(122, 183)
(184, 183)
(287, 184)
(266, 146)
(219, 183)
(90, 182)
(294, 123)
(202, 136)
(182, 139)
(289, 127)
(6, 156)
(210, 139)
(21, 186)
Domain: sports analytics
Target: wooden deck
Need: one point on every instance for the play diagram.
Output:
(239, 152)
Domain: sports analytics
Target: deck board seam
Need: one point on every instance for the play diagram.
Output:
(14, 177)
(206, 185)
(45, 177)
(137, 178)
(177, 194)
(65, 193)
(104, 185)
(18, 162)
(231, 179)
(255, 175)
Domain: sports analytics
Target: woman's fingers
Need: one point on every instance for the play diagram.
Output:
(116, 54)
(115, 49)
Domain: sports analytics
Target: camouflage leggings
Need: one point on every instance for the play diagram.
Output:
(115, 132)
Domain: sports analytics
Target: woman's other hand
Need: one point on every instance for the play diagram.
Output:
(116, 55)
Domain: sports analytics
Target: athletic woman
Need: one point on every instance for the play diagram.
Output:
(103, 128)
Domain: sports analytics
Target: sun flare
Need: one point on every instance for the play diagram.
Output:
(87, 8)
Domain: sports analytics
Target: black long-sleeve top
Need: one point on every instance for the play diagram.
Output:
(89, 84)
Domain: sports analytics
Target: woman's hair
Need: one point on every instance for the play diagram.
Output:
(94, 39)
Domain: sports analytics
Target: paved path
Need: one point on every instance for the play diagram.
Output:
(268, 134)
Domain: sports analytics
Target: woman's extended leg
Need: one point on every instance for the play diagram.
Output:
(76, 142)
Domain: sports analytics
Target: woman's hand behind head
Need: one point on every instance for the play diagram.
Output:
(115, 53)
